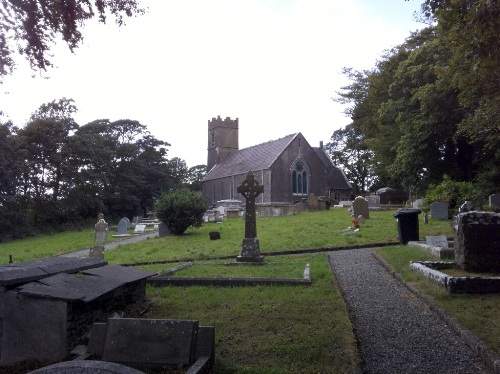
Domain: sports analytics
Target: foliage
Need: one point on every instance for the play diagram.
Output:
(414, 111)
(452, 192)
(31, 27)
(180, 209)
(56, 174)
(348, 151)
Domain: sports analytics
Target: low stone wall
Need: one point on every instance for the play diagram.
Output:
(473, 285)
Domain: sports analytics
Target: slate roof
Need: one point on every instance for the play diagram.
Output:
(257, 157)
(336, 178)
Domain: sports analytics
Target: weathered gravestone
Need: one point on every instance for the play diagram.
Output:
(122, 227)
(97, 252)
(313, 203)
(494, 200)
(439, 210)
(373, 201)
(100, 229)
(477, 241)
(250, 251)
(360, 207)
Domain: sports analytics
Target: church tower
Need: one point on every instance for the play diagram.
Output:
(222, 140)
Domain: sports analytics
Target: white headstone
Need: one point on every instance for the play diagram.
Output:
(417, 204)
(140, 229)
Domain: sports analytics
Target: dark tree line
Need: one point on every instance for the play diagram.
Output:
(55, 174)
(430, 107)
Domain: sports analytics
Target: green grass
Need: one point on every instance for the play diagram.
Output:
(259, 329)
(325, 229)
(275, 267)
(478, 313)
(277, 329)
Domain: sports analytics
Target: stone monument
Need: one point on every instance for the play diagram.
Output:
(360, 207)
(250, 252)
(100, 229)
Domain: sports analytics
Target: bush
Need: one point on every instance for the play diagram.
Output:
(451, 192)
(180, 209)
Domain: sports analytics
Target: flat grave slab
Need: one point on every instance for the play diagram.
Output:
(119, 273)
(70, 287)
(28, 271)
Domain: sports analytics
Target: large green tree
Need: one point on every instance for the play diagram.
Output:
(348, 151)
(31, 27)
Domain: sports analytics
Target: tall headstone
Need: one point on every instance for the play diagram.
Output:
(439, 210)
(360, 207)
(250, 251)
(494, 200)
(100, 229)
(477, 241)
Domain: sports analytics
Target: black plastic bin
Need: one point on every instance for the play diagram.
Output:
(407, 224)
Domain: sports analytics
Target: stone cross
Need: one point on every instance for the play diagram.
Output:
(250, 189)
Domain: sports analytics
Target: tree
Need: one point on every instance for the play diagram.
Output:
(472, 28)
(31, 27)
(180, 209)
(195, 175)
(348, 150)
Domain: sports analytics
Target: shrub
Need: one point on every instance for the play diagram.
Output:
(452, 192)
(180, 209)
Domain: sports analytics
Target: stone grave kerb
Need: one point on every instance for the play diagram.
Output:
(250, 251)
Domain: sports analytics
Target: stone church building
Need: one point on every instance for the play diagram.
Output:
(288, 168)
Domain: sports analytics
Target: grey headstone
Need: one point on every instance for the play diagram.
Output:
(437, 241)
(148, 341)
(494, 200)
(163, 230)
(360, 207)
(345, 203)
(123, 227)
(439, 210)
(361, 219)
(373, 201)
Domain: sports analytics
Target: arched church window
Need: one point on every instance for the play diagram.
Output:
(299, 179)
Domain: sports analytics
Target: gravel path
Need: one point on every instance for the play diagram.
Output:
(396, 331)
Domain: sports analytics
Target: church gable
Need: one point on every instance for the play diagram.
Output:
(288, 168)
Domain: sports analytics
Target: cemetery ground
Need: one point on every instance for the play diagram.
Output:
(276, 329)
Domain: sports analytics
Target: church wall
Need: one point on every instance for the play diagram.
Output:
(281, 184)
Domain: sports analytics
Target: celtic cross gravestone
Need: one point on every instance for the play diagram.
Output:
(250, 251)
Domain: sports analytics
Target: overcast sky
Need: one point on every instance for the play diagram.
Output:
(274, 64)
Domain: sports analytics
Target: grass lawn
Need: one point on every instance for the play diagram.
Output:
(274, 329)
